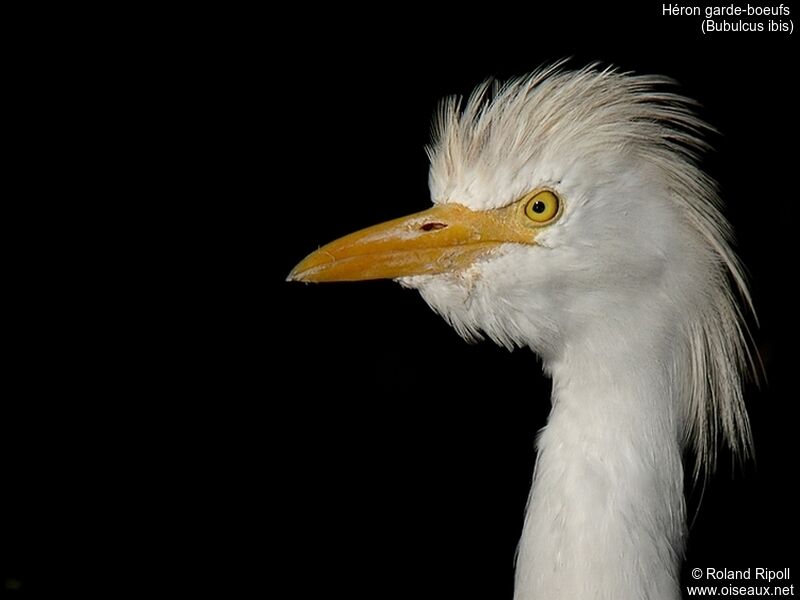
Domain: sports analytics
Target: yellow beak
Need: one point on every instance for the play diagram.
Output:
(442, 239)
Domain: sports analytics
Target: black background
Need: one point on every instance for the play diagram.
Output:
(173, 421)
(412, 451)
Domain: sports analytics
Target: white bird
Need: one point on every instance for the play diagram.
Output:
(570, 216)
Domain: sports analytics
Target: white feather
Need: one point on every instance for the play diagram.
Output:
(629, 299)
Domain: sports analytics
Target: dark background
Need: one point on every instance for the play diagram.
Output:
(171, 421)
(412, 451)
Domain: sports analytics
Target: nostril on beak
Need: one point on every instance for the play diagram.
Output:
(433, 226)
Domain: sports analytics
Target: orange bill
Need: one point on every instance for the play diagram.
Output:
(443, 239)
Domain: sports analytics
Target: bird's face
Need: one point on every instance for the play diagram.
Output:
(523, 261)
(568, 201)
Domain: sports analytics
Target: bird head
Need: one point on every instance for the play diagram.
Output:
(568, 209)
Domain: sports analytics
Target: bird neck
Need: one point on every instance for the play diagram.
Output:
(606, 515)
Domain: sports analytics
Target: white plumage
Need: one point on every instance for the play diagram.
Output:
(628, 296)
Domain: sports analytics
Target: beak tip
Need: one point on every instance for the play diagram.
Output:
(294, 276)
(308, 270)
(302, 273)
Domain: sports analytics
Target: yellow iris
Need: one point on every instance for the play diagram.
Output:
(542, 206)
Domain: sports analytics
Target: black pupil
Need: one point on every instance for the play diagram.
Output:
(538, 207)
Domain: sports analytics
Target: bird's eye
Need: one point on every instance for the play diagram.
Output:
(542, 206)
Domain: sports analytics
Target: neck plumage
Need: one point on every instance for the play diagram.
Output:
(606, 515)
